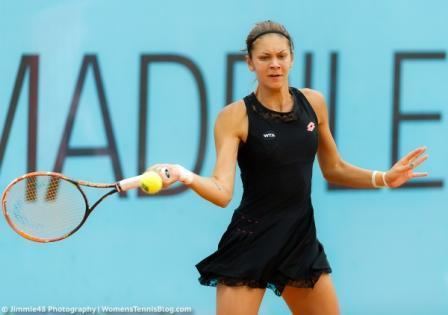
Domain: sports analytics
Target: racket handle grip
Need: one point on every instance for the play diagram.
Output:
(129, 183)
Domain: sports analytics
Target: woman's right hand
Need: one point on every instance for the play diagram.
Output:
(171, 173)
(168, 172)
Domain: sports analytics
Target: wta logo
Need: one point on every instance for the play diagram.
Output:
(269, 135)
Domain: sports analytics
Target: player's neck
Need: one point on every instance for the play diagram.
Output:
(277, 100)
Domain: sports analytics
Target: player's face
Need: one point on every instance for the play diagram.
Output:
(271, 60)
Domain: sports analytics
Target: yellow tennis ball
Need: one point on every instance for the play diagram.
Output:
(151, 182)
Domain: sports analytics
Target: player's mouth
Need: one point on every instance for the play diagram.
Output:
(275, 75)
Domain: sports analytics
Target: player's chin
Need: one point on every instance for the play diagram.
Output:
(275, 82)
(275, 85)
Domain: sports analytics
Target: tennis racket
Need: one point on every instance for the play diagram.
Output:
(48, 207)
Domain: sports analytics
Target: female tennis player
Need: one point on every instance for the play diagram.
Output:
(274, 134)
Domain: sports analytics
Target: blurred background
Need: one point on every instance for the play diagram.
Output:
(99, 90)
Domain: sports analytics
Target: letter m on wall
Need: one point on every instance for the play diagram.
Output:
(28, 64)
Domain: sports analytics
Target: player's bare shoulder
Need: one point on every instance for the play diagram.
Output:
(236, 110)
(232, 119)
(317, 101)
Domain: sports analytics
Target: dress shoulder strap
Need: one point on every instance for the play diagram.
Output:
(305, 103)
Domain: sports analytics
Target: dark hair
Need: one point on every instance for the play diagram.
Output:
(267, 27)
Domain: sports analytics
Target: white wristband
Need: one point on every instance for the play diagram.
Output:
(185, 176)
(384, 180)
(374, 179)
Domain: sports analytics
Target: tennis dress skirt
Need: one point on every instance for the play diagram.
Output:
(271, 240)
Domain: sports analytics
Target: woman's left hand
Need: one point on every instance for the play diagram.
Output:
(403, 170)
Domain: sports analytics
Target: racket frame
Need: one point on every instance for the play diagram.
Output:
(116, 187)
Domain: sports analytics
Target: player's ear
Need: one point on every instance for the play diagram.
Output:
(250, 64)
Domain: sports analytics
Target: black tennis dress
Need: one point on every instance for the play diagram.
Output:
(271, 240)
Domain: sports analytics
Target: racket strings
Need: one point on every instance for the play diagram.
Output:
(45, 207)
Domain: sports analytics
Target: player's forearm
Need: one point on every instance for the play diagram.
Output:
(349, 175)
(211, 189)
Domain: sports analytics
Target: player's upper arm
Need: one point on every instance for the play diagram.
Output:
(227, 132)
(327, 151)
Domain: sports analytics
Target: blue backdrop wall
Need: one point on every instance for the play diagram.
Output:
(159, 73)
